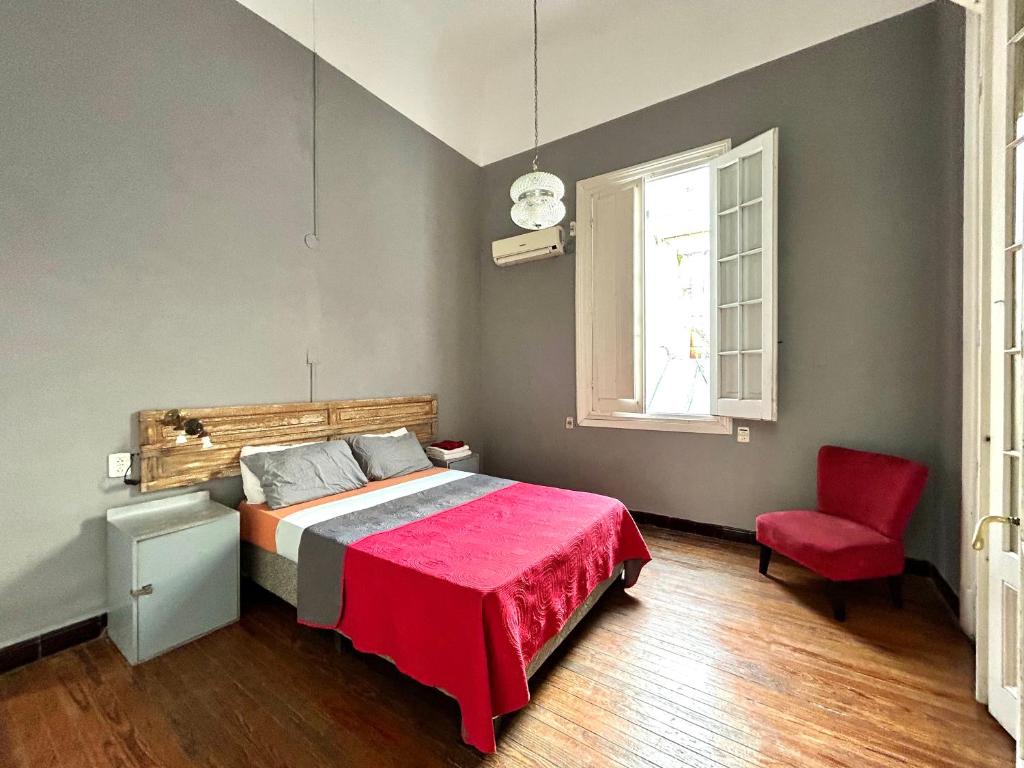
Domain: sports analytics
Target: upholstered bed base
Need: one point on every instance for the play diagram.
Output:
(279, 575)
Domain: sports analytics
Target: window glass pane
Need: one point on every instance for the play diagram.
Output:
(728, 234)
(750, 178)
(728, 281)
(1013, 311)
(728, 187)
(1011, 543)
(729, 376)
(751, 227)
(752, 376)
(1015, 196)
(1018, 298)
(729, 328)
(1016, 76)
(677, 293)
(1014, 415)
(751, 326)
(751, 276)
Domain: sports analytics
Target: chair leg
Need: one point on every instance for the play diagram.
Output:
(837, 596)
(766, 557)
(896, 590)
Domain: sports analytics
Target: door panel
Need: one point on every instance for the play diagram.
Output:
(194, 574)
(1002, 637)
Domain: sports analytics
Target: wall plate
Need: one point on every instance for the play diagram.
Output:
(118, 464)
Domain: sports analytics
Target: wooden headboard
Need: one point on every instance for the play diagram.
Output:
(165, 464)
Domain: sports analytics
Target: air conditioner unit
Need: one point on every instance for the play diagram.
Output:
(529, 246)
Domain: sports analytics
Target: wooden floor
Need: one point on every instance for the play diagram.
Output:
(704, 663)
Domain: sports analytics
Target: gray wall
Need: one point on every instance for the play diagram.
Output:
(869, 293)
(154, 193)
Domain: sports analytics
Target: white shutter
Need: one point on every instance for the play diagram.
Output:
(609, 271)
(744, 190)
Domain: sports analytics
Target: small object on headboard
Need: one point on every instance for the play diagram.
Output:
(166, 463)
(187, 427)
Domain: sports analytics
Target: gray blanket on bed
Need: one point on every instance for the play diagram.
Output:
(322, 546)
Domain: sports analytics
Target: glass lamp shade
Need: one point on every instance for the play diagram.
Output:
(538, 200)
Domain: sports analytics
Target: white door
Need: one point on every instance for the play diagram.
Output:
(999, 599)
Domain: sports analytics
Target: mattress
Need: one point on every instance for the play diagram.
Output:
(279, 531)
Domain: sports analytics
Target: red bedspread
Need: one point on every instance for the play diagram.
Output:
(522, 558)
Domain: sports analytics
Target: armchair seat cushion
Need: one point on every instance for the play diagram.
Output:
(831, 546)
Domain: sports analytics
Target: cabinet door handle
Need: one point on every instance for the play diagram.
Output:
(146, 589)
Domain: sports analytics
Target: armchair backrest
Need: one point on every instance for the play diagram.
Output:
(873, 489)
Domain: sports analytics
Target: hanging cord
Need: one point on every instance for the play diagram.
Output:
(536, 91)
(310, 364)
(127, 480)
(313, 237)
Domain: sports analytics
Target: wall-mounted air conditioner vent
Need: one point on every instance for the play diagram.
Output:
(529, 246)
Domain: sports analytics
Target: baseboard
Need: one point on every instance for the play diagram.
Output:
(913, 566)
(48, 643)
(692, 526)
(924, 568)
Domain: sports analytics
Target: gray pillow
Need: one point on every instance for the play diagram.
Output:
(305, 472)
(384, 456)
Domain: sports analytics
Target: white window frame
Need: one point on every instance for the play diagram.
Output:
(586, 415)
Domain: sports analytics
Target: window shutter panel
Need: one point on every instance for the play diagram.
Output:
(744, 224)
(615, 242)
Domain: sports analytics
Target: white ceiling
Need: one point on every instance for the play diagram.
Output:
(462, 69)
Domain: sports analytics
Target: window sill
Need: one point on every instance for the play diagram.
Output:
(708, 425)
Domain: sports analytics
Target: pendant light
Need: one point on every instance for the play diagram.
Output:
(537, 195)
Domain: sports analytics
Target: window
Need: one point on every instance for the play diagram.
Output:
(675, 290)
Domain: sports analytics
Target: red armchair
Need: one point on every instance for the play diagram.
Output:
(864, 503)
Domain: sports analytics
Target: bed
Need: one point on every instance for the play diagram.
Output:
(465, 582)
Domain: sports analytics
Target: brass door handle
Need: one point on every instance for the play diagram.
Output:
(146, 589)
(985, 522)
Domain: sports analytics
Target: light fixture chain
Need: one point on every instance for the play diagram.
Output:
(537, 195)
(312, 239)
(536, 93)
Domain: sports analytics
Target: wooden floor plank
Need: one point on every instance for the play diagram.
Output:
(704, 664)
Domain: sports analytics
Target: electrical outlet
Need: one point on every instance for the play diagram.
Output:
(570, 423)
(118, 464)
(742, 434)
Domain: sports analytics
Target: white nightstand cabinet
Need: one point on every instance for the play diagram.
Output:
(469, 463)
(172, 572)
